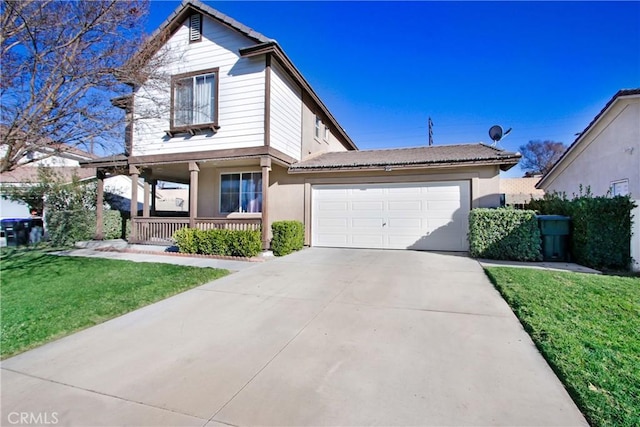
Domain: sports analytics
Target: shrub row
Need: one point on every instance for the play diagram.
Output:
(600, 227)
(64, 228)
(288, 236)
(504, 233)
(240, 243)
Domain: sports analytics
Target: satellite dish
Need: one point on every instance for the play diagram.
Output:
(496, 133)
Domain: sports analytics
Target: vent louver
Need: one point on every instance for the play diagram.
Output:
(195, 27)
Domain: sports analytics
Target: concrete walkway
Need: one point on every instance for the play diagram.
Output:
(232, 265)
(543, 265)
(321, 337)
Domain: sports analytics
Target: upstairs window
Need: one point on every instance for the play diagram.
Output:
(194, 100)
(326, 133)
(318, 126)
(195, 28)
(241, 192)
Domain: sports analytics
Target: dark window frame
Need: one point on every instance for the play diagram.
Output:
(199, 126)
(240, 193)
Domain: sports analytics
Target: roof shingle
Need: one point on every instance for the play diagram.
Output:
(463, 154)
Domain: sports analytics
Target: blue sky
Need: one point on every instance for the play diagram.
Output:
(544, 69)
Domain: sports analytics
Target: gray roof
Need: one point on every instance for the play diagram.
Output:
(427, 156)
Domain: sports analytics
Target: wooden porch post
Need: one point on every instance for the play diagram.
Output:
(99, 235)
(193, 193)
(265, 163)
(147, 194)
(134, 173)
(154, 182)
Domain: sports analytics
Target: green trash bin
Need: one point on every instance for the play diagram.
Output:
(555, 230)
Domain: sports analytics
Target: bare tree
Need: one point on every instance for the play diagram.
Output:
(538, 157)
(62, 64)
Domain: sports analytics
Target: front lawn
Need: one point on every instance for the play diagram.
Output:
(44, 297)
(588, 328)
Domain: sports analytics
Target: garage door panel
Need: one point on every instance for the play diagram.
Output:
(427, 216)
(376, 223)
(411, 205)
(333, 206)
(340, 222)
(373, 240)
(367, 206)
(405, 223)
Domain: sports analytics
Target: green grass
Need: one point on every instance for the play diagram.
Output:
(44, 297)
(588, 329)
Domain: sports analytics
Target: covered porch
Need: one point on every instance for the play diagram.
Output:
(231, 193)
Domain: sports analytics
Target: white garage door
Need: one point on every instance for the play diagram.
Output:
(425, 216)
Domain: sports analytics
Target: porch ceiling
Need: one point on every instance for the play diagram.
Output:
(179, 172)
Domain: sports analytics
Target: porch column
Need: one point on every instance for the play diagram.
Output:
(134, 173)
(154, 182)
(265, 163)
(193, 193)
(99, 235)
(147, 194)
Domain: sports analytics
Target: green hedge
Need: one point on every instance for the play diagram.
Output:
(64, 228)
(240, 243)
(504, 233)
(288, 236)
(600, 227)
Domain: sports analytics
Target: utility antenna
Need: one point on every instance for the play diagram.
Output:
(430, 132)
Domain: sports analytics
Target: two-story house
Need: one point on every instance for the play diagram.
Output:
(256, 144)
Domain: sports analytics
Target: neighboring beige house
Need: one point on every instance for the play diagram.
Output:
(255, 144)
(519, 191)
(65, 162)
(606, 158)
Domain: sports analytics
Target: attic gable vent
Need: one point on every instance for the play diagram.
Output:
(195, 27)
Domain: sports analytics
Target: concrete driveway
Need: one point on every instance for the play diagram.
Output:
(320, 337)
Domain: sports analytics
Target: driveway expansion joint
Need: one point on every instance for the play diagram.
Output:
(52, 381)
(428, 310)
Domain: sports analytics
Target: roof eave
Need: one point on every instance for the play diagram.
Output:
(505, 164)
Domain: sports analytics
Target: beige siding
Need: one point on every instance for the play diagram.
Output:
(312, 146)
(241, 94)
(286, 113)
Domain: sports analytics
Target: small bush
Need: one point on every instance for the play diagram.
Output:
(504, 233)
(288, 236)
(601, 227)
(240, 243)
(244, 243)
(186, 240)
(116, 226)
(67, 227)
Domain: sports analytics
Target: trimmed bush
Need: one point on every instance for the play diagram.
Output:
(186, 240)
(504, 233)
(288, 236)
(600, 227)
(116, 225)
(244, 243)
(67, 227)
(240, 243)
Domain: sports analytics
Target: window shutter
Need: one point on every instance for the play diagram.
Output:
(195, 27)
